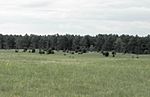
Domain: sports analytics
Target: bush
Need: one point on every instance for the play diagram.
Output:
(137, 56)
(102, 52)
(124, 52)
(72, 52)
(16, 50)
(53, 48)
(106, 54)
(84, 51)
(64, 50)
(29, 51)
(76, 51)
(67, 51)
(146, 52)
(25, 50)
(41, 51)
(80, 53)
(33, 50)
(50, 51)
(113, 53)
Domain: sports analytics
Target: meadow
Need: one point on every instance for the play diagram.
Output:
(86, 75)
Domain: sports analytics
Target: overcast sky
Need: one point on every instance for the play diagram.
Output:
(75, 17)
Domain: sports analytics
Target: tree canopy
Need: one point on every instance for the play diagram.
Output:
(123, 43)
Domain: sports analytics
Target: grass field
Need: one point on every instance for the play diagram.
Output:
(87, 75)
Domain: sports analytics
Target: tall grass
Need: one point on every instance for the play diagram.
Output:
(87, 75)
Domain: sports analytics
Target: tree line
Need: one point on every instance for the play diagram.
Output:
(100, 42)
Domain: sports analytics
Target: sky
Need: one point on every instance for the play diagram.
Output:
(80, 17)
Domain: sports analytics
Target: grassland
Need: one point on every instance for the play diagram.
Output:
(87, 75)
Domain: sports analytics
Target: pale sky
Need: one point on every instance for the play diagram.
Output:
(75, 17)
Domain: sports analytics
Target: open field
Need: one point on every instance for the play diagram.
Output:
(87, 75)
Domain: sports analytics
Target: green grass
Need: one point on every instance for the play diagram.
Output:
(87, 75)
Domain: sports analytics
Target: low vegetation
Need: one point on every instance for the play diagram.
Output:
(90, 74)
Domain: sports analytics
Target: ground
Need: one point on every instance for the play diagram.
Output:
(87, 75)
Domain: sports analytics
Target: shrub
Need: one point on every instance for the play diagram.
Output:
(67, 51)
(102, 52)
(33, 50)
(113, 53)
(53, 48)
(16, 50)
(137, 56)
(124, 52)
(41, 51)
(25, 50)
(80, 53)
(84, 51)
(50, 51)
(146, 52)
(64, 50)
(72, 52)
(76, 51)
(106, 54)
